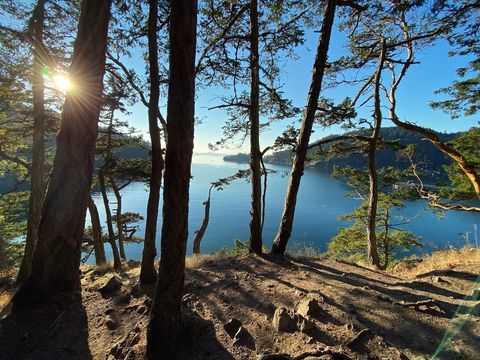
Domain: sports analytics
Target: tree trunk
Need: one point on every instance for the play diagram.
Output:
(386, 245)
(56, 259)
(285, 230)
(121, 240)
(117, 262)
(100, 258)
(372, 248)
(38, 147)
(264, 195)
(255, 154)
(147, 272)
(165, 322)
(203, 228)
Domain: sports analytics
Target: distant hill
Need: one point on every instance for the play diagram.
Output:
(237, 158)
(426, 153)
(131, 150)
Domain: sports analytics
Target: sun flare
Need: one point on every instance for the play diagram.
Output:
(62, 82)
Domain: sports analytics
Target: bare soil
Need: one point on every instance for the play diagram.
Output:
(365, 313)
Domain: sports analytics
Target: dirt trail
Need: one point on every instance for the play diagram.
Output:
(395, 317)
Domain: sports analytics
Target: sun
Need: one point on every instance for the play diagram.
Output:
(62, 82)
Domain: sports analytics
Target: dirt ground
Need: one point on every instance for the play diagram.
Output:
(363, 313)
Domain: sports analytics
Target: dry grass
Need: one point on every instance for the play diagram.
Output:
(443, 259)
(196, 261)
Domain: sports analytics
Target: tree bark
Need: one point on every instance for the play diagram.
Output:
(56, 259)
(37, 190)
(372, 248)
(118, 217)
(117, 262)
(147, 271)
(254, 118)
(100, 258)
(203, 228)
(264, 195)
(165, 321)
(285, 230)
(386, 244)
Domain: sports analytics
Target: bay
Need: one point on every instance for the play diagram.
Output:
(321, 200)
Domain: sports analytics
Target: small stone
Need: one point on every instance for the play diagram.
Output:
(231, 327)
(283, 320)
(112, 284)
(110, 322)
(309, 307)
(438, 279)
(310, 340)
(121, 299)
(243, 338)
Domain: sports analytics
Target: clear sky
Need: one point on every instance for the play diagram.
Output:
(436, 70)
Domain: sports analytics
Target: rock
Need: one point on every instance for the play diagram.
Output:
(476, 293)
(309, 307)
(121, 299)
(142, 309)
(112, 284)
(110, 322)
(274, 357)
(438, 279)
(322, 357)
(232, 326)
(283, 320)
(304, 324)
(243, 338)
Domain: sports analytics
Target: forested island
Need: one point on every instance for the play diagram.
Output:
(103, 99)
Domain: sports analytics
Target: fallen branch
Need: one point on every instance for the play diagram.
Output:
(358, 338)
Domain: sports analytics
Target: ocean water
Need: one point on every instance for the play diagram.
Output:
(321, 200)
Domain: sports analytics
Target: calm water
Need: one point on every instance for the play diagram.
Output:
(320, 202)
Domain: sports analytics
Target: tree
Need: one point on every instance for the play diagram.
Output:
(372, 169)
(100, 258)
(464, 94)
(56, 258)
(286, 223)
(389, 236)
(147, 272)
(13, 216)
(350, 241)
(233, 35)
(117, 261)
(38, 148)
(165, 320)
(218, 185)
(254, 121)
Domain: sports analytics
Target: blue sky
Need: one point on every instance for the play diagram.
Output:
(436, 70)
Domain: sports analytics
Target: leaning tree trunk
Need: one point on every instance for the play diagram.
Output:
(203, 228)
(147, 271)
(165, 321)
(117, 262)
(372, 246)
(286, 224)
(56, 259)
(38, 146)
(100, 258)
(255, 154)
(118, 218)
